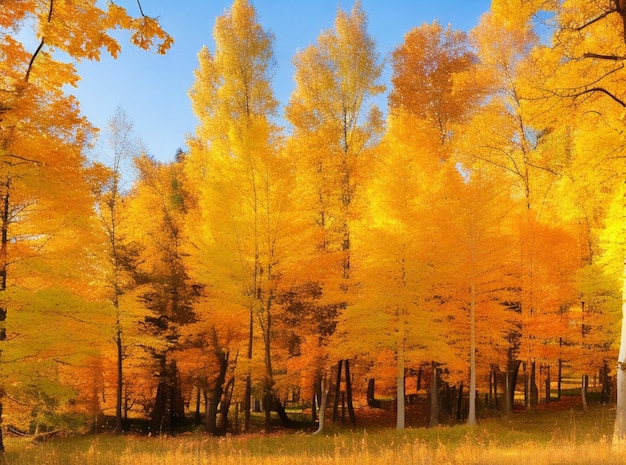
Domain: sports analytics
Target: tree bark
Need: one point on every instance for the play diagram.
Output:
(247, 407)
(534, 391)
(323, 401)
(371, 393)
(215, 396)
(459, 405)
(471, 419)
(3, 283)
(401, 396)
(120, 380)
(619, 430)
(434, 397)
(337, 392)
(159, 410)
(349, 394)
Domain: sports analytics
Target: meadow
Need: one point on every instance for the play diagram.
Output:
(545, 436)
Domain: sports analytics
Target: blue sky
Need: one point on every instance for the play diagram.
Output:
(152, 89)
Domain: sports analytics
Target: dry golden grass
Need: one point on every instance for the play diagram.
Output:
(568, 437)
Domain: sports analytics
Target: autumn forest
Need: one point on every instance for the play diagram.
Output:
(462, 247)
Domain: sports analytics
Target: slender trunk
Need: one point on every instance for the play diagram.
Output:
(619, 430)
(400, 377)
(248, 391)
(583, 390)
(371, 393)
(198, 419)
(472, 387)
(558, 381)
(322, 416)
(349, 395)
(227, 396)
(534, 391)
(317, 397)
(215, 396)
(495, 389)
(459, 405)
(3, 284)
(337, 393)
(269, 376)
(508, 399)
(120, 381)
(434, 397)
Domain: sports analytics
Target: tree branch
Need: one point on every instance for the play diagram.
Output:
(140, 9)
(32, 59)
(604, 57)
(41, 44)
(594, 20)
(601, 90)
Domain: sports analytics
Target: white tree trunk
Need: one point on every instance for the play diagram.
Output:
(400, 389)
(619, 432)
(322, 409)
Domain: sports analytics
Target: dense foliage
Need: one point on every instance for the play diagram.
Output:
(470, 235)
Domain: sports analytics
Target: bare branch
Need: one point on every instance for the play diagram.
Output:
(594, 20)
(601, 90)
(604, 57)
(140, 9)
(41, 44)
(32, 59)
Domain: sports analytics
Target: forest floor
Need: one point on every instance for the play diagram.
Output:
(555, 433)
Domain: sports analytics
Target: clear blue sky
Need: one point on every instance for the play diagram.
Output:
(152, 89)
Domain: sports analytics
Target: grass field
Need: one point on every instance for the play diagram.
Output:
(566, 436)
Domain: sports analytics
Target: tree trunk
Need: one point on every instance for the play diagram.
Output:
(511, 381)
(459, 405)
(227, 396)
(434, 397)
(401, 396)
(495, 388)
(198, 418)
(159, 410)
(323, 401)
(278, 407)
(619, 430)
(471, 420)
(337, 393)
(247, 407)
(349, 394)
(317, 397)
(215, 396)
(3, 283)
(120, 381)
(371, 393)
(583, 390)
(533, 391)
(559, 379)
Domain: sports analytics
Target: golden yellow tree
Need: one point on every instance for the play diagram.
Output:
(41, 129)
(333, 137)
(241, 175)
(585, 59)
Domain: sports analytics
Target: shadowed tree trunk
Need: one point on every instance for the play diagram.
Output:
(337, 396)
(434, 397)
(349, 394)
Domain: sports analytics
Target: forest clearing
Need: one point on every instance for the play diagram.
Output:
(452, 264)
(565, 435)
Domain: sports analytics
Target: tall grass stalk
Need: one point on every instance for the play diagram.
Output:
(568, 437)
